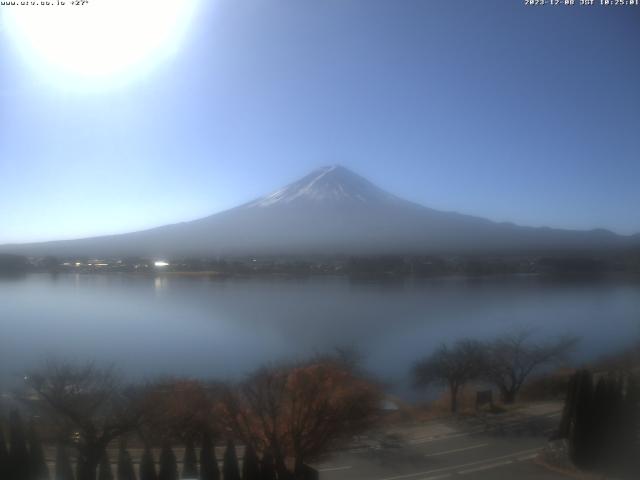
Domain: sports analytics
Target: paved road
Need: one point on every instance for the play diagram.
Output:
(474, 449)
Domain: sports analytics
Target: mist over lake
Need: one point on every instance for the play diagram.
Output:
(171, 325)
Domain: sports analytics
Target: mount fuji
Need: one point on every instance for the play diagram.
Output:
(332, 211)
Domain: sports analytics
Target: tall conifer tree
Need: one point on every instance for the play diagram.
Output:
(125, 465)
(37, 462)
(250, 464)
(168, 464)
(208, 462)
(148, 465)
(19, 465)
(4, 456)
(267, 467)
(63, 469)
(104, 468)
(230, 468)
(190, 461)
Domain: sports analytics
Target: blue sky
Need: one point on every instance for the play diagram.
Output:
(530, 115)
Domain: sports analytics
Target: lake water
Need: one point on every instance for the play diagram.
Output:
(222, 329)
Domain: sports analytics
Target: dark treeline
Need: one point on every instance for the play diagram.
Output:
(22, 458)
(358, 267)
(13, 264)
(601, 421)
(282, 417)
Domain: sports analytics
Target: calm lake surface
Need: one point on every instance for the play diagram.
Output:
(213, 328)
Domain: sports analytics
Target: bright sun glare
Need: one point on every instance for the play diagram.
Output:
(102, 39)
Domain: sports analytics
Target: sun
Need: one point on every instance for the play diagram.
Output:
(101, 39)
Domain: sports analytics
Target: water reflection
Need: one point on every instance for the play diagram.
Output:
(160, 284)
(207, 328)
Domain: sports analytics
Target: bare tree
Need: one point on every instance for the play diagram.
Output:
(451, 366)
(326, 403)
(299, 412)
(90, 401)
(511, 358)
(253, 412)
(180, 409)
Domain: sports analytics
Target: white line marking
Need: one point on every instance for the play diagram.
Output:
(417, 441)
(454, 467)
(485, 467)
(527, 457)
(457, 450)
(437, 477)
(335, 469)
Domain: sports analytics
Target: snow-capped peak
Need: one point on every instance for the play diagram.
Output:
(327, 184)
